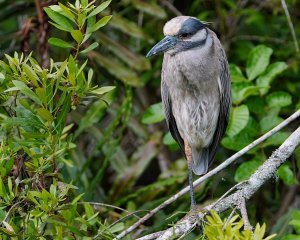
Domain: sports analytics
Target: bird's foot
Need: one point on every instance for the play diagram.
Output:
(194, 213)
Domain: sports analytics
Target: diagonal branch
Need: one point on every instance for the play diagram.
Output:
(288, 17)
(246, 191)
(210, 173)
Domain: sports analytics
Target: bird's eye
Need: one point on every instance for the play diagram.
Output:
(185, 35)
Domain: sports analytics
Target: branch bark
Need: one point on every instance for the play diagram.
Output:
(209, 174)
(245, 191)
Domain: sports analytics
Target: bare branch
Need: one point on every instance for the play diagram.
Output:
(256, 180)
(287, 14)
(244, 213)
(171, 7)
(210, 173)
(151, 236)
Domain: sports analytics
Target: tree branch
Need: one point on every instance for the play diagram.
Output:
(288, 17)
(244, 214)
(246, 191)
(210, 173)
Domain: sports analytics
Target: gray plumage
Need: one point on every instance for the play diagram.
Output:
(195, 88)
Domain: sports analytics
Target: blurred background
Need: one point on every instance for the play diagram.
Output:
(125, 155)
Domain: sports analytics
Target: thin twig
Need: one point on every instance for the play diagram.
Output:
(12, 207)
(112, 206)
(244, 213)
(171, 7)
(287, 14)
(115, 222)
(229, 191)
(257, 38)
(210, 173)
(228, 219)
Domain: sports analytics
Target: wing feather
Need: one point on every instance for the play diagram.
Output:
(166, 100)
(225, 106)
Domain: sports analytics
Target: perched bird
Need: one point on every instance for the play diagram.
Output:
(195, 90)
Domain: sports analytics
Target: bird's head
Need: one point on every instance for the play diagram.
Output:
(181, 34)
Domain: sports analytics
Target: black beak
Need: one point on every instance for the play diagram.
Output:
(165, 44)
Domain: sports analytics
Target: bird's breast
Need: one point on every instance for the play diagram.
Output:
(195, 100)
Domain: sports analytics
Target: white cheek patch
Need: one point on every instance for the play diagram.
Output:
(199, 36)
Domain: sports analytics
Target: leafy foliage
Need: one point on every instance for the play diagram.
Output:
(74, 19)
(216, 228)
(35, 142)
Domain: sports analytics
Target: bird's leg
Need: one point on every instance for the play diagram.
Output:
(188, 154)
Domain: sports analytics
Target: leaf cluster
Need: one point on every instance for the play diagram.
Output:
(79, 20)
(231, 229)
(35, 201)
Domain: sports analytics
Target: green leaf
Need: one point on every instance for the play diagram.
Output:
(85, 3)
(153, 114)
(89, 211)
(99, 9)
(66, 12)
(81, 20)
(258, 60)
(150, 7)
(129, 27)
(271, 72)
(246, 169)
(134, 60)
(60, 27)
(63, 12)
(279, 99)
(41, 93)
(102, 90)
(286, 174)
(30, 74)
(23, 88)
(59, 19)
(90, 76)
(77, 36)
(90, 48)
(276, 139)
(256, 105)
(242, 90)
(237, 142)
(45, 114)
(2, 77)
(101, 23)
(72, 65)
(125, 74)
(76, 199)
(238, 120)
(268, 122)
(59, 43)
(90, 23)
(236, 74)
(21, 121)
(117, 227)
(170, 141)
(61, 117)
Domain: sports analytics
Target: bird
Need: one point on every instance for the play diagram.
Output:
(195, 91)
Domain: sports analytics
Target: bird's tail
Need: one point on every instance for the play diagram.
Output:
(200, 160)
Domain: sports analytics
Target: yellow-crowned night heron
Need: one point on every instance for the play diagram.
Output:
(195, 90)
